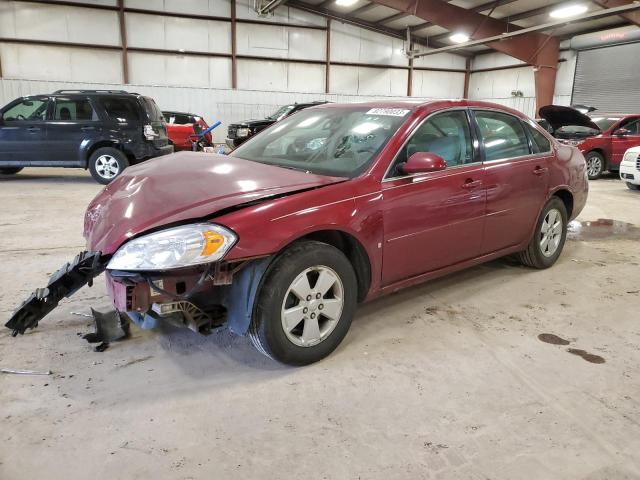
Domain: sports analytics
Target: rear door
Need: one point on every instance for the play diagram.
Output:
(516, 178)
(74, 125)
(23, 131)
(622, 143)
(433, 220)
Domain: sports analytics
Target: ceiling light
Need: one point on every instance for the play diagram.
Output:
(346, 3)
(567, 11)
(459, 38)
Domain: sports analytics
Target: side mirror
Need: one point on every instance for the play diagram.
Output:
(621, 132)
(423, 162)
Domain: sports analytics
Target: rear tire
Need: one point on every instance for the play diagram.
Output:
(305, 305)
(549, 236)
(106, 163)
(10, 170)
(632, 186)
(595, 165)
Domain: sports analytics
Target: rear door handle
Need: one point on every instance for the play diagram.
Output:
(86, 129)
(471, 184)
(540, 170)
(33, 129)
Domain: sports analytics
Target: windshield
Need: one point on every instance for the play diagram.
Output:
(330, 141)
(604, 122)
(280, 113)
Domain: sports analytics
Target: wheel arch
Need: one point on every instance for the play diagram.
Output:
(106, 143)
(352, 249)
(567, 198)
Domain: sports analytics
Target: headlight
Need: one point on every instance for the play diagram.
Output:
(243, 132)
(174, 248)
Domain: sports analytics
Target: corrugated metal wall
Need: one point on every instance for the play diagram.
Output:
(202, 84)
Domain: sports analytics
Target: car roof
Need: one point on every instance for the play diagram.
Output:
(597, 114)
(418, 104)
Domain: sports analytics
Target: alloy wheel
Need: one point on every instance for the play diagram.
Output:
(312, 306)
(107, 166)
(594, 166)
(551, 232)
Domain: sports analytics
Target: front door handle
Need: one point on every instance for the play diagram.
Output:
(540, 170)
(86, 129)
(33, 129)
(471, 184)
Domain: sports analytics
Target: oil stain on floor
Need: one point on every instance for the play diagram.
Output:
(552, 339)
(602, 229)
(589, 357)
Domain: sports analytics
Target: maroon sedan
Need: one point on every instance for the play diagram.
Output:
(333, 206)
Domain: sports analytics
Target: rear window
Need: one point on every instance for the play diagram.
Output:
(75, 110)
(153, 112)
(540, 143)
(178, 118)
(120, 109)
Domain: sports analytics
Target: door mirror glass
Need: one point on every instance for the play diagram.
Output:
(423, 162)
(621, 132)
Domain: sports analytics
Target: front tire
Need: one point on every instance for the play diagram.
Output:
(549, 236)
(10, 170)
(632, 186)
(595, 165)
(106, 163)
(305, 304)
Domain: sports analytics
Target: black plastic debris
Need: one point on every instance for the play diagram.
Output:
(109, 327)
(63, 283)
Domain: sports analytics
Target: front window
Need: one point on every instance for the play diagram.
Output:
(34, 109)
(329, 141)
(280, 113)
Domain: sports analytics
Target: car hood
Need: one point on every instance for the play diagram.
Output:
(254, 123)
(559, 116)
(185, 186)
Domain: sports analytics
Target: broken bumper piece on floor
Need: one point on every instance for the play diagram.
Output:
(63, 283)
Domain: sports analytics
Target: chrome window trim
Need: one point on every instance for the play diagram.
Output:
(385, 178)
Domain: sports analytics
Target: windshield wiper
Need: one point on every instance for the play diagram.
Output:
(289, 167)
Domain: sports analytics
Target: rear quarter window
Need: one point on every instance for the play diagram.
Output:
(122, 110)
(153, 112)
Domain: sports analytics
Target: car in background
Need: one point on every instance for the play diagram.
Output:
(630, 168)
(601, 137)
(335, 205)
(102, 130)
(182, 127)
(238, 133)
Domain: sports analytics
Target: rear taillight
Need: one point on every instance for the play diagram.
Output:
(149, 132)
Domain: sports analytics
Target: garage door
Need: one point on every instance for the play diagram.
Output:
(609, 78)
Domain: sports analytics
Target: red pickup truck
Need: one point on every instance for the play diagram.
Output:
(601, 137)
(181, 127)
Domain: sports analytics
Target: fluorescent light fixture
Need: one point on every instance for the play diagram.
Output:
(346, 3)
(566, 11)
(459, 37)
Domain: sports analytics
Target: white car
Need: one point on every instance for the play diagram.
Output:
(630, 168)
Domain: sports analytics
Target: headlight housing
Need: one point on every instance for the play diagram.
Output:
(177, 247)
(243, 132)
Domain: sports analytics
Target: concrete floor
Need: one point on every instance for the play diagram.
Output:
(447, 380)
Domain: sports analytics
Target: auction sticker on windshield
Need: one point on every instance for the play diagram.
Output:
(393, 112)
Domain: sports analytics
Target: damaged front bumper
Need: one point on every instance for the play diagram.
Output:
(199, 299)
(63, 283)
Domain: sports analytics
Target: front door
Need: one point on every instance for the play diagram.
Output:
(433, 220)
(622, 143)
(516, 178)
(73, 125)
(23, 132)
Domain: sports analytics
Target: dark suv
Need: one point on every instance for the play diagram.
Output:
(238, 133)
(102, 130)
